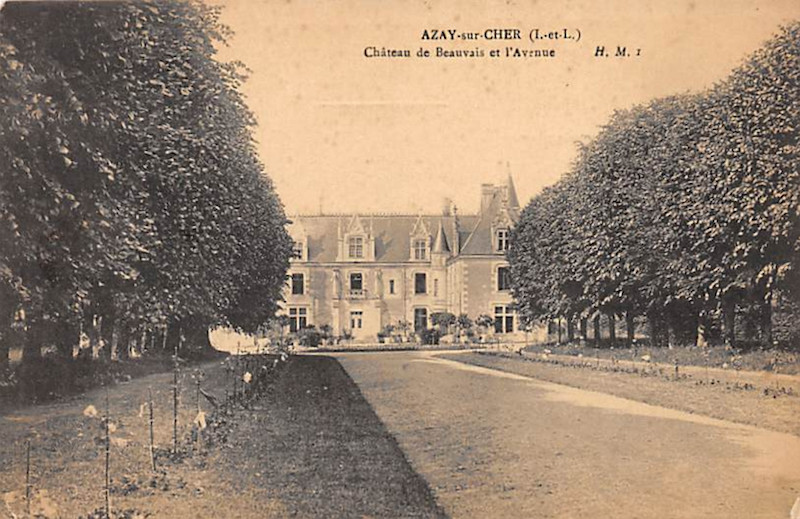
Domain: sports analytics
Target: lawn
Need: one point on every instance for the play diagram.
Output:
(309, 445)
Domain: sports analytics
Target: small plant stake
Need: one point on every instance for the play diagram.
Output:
(107, 461)
(152, 435)
(175, 397)
(236, 372)
(676, 369)
(28, 477)
(197, 393)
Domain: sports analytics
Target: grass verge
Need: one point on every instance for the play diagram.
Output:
(734, 402)
(311, 446)
(771, 360)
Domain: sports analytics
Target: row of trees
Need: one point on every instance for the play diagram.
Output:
(686, 211)
(132, 205)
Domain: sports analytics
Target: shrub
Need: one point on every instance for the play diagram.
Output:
(310, 337)
(430, 336)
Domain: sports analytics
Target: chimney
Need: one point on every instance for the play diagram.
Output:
(447, 205)
(487, 192)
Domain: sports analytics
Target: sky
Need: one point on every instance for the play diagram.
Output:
(339, 132)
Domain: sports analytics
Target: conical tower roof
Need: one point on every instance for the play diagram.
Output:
(440, 243)
(513, 201)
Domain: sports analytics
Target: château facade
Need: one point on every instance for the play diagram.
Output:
(360, 273)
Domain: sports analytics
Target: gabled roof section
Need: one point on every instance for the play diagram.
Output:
(296, 230)
(355, 226)
(505, 217)
(420, 228)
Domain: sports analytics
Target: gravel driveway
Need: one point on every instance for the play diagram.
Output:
(494, 444)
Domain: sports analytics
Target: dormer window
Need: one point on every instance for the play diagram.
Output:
(299, 241)
(501, 240)
(355, 247)
(420, 249)
(297, 250)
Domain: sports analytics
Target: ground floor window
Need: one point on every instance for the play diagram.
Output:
(420, 319)
(503, 319)
(298, 318)
(356, 319)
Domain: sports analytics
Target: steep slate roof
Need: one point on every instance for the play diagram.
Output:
(392, 234)
(480, 240)
(513, 201)
(502, 208)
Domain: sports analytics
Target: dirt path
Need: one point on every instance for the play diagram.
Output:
(495, 444)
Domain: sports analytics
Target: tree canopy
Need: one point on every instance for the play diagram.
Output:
(686, 210)
(131, 192)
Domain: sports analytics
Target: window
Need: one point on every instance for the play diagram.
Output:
(503, 319)
(298, 318)
(420, 283)
(391, 286)
(435, 288)
(297, 285)
(356, 282)
(503, 278)
(420, 249)
(356, 319)
(420, 319)
(356, 247)
(502, 240)
(297, 250)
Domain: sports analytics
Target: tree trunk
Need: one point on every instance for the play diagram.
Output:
(123, 340)
(8, 339)
(584, 325)
(729, 322)
(655, 323)
(93, 332)
(7, 330)
(172, 337)
(570, 330)
(630, 327)
(5, 348)
(558, 324)
(107, 325)
(612, 328)
(197, 343)
(692, 329)
(32, 345)
(702, 330)
(66, 337)
(681, 323)
(766, 321)
(596, 326)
